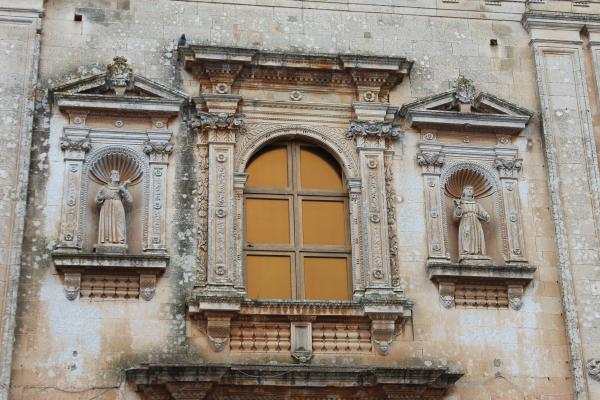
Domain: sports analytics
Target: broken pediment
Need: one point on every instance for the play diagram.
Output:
(463, 108)
(118, 89)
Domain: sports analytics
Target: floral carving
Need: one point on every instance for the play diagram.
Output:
(67, 144)
(164, 148)
(508, 167)
(373, 129)
(430, 159)
(222, 121)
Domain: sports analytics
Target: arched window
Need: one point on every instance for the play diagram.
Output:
(297, 242)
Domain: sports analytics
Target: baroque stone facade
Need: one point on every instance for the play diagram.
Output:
(465, 136)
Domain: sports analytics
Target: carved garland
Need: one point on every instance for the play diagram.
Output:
(492, 178)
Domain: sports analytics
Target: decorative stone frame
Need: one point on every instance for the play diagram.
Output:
(500, 166)
(83, 146)
(225, 144)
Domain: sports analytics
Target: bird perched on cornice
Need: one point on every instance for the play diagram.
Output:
(182, 41)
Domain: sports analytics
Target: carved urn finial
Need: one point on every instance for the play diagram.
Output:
(119, 75)
(464, 90)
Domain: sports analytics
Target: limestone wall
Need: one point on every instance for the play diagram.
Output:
(78, 349)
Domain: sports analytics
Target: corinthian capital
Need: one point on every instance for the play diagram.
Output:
(379, 129)
(508, 167)
(67, 144)
(220, 121)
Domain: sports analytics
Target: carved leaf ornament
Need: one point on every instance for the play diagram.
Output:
(129, 169)
(468, 177)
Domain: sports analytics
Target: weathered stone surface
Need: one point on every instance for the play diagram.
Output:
(514, 346)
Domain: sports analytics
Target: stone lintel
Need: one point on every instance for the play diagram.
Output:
(95, 103)
(483, 272)
(497, 123)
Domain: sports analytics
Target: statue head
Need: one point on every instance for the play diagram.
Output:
(468, 193)
(115, 176)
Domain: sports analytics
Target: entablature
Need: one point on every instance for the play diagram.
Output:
(223, 69)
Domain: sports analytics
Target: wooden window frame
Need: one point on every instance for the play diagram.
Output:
(295, 194)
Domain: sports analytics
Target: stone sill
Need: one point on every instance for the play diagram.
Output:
(504, 273)
(488, 286)
(121, 268)
(102, 263)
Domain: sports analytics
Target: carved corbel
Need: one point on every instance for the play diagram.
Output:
(383, 331)
(221, 126)
(371, 85)
(72, 285)
(158, 151)
(515, 297)
(447, 290)
(218, 330)
(147, 286)
(75, 145)
(373, 129)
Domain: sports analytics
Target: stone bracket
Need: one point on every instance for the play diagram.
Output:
(78, 267)
(482, 285)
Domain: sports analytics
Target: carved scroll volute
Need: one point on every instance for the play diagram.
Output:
(509, 170)
(75, 149)
(158, 153)
(431, 163)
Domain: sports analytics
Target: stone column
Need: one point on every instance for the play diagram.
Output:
(358, 277)
(431, 161)
(573, 178)
(20, 31)
(75, 145)
(508, 170)
(158, 152)
(221, 125)
(371, 136)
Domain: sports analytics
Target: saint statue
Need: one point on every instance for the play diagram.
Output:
(111, 226)
(471, 240)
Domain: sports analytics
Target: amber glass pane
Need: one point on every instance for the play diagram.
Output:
(267, 221)
(269, 277)
(326, 279)
(323, 222)
(319, 170)
(268, 169)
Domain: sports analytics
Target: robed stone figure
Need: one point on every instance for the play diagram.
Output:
(112, 234)
(471, 240)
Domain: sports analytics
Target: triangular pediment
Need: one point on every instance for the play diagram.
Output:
(118, 88)
(463, 107)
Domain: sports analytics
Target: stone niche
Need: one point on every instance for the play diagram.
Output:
(116, 144)
(472, 204)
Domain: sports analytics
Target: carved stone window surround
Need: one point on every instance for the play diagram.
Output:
(501, 166)
(221, 298)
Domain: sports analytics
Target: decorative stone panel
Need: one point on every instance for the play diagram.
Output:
(125, 266)
(484, 280)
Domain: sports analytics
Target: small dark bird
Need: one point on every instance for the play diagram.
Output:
(182, 41)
